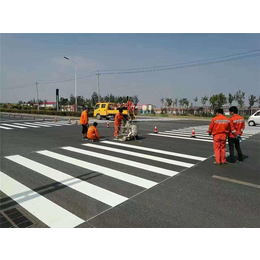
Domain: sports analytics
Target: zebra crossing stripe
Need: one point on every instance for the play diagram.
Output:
(45, 210)
(15, 126)
(180, 137)
(145, 156)
(156, 151)
(43, 124)
(142, 166)
(33, 126)
(37, 124)
(4, 127)
(103, 195)
(104, 170)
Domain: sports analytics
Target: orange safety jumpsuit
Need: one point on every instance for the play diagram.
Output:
(118, 119)
(129, 104)
(219, 128)
(84, 122)
(93, 133)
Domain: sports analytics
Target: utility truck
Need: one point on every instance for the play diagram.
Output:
(109, 110)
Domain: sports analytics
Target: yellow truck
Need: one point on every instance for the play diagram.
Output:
(109, 110)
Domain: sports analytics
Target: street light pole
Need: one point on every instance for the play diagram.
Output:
(75, 80)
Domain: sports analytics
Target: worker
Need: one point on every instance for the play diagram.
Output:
(237, 126)
(219, 128)
(93, 132)
(84, 122)
(129, 104)
(118, 121)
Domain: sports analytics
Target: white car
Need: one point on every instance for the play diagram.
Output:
(254, 119)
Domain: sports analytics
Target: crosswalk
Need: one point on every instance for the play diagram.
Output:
(201, 133)
(32, 125)
(122, 172)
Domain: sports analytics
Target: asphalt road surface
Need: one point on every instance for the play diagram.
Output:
(50, 177)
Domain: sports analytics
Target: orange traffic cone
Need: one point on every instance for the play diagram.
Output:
(69, 121)
(55, 119)
(155, 130)
(193, 133)
(43, 118)
(107, 124)
(76, 122)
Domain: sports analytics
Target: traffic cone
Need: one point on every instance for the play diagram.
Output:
(107, 124)
(69, 121)
(43, 118)
(76, 122)
(33, 117)
(55, 119)
(193, 133)
(155, 130)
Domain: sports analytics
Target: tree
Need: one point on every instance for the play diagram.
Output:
(251, 99)
(231, 98)
(181, 103)
(217, 101)
(195, 99)
(240, 98)
(204, 100)
(72, 100)
(45, 103)
(135, 100)
(168, 102)
(63, 101)
(94, 98)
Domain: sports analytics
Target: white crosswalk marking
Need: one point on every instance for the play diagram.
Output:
(45, 210)
(37, 124)
(180, 137)
(146, 156)
(104, 170)
(33, 126)
(4, 127)
(156, 151)
(15, 126)
(91, 190)
(124, 161)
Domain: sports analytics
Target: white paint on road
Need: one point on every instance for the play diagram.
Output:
(45, 210)
(103, 195)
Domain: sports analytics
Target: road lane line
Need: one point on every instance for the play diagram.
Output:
(114, 159)
(156, 151)
(36, 124)
(26, 125)
(15, 126)
(145, 156)
(179, 137)
(141, 182)
(197, 158)
(45, 210)
(103, 195)
(236, 181)
(7, 128)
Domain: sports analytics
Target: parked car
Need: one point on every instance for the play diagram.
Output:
(254, 119)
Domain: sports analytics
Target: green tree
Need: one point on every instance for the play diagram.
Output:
(63, 101)
(217, 101)
(94, 98)
(240, 98)
(80, 101)
(195, 99)
(231, 98)
(72, 100)
(204, 100)
(169, 103)
(135, 100)
(251, 99)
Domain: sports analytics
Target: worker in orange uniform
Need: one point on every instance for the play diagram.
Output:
(237, 126)
(118, 121)
(84, 122)
(93, 132)
(129, 104)
(219, 128)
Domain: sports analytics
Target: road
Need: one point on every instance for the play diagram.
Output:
(52, 178)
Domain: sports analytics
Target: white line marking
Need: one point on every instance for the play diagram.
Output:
(141, 182)
(26, 125)
(15, 126)
(37, 124)
(179, 137)
(103, 195)
(236, 181)
(3, 127)
(145, 156)
(45, 210)
(156, 151)
(123, 161)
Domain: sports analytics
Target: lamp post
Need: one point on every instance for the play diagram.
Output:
(76, 101)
